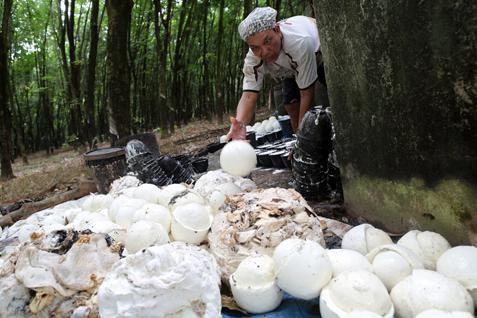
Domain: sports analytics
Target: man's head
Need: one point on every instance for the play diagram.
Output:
(262, 33)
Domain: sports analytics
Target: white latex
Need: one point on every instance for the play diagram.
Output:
(433, 313)
(347, 260)
(97, 202)
(193, 215)
(67, 273)
(363, 314)
(170, 280)
(255, 271)
(428, 246)
(147, 192)
(190, 223)
(15, 297)
(216, 200)
(170, 191)
(303, 269)
(256, 222)
(143, 234)
(214, 181)
(238, 158)
(460, 263)
(364, 238)
(355, 291)
(392, 263)
(424, 290)
(185, 197)
(253, 285)
(155, 213)
(122, 209)
(123, 183)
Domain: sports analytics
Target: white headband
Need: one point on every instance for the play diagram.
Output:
(260, 19)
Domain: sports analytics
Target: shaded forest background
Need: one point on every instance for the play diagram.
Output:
(79, 71)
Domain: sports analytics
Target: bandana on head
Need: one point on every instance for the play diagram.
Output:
(260, 19)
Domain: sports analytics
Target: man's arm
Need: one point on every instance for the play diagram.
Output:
(307, 97)
(246, 106)
(245, 110)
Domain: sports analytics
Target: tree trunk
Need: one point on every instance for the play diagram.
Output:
(74, 66)
(5, 115)
(91, 73)
(162, 49)
(119, 18)
(219, 85)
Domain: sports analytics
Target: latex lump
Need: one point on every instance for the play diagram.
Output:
(172, 280)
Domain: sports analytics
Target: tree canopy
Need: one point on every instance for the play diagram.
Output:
(77, 70)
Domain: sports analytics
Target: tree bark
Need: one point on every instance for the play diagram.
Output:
(5, 114)
(91, 72)
(119, 18)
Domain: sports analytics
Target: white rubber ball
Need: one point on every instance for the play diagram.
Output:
(424, 290)
(363, 314)
(460, 263)
(355, 291)
(229, 188)
(428, 246)
(143, 234)
(303, 269)
(147, 192)
(434, 313)
(238, 158)
(155, 213)
(190, 223)
(364, 238)
(253, 284)
(392, 263)
(216, 200)
(97, 202)
(347, 260)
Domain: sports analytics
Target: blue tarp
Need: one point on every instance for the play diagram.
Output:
(290, 307)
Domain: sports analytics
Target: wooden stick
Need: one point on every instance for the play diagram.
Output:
(27, 209)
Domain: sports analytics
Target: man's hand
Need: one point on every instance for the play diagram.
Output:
(237, 130)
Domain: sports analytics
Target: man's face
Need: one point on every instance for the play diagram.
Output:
(266, 44)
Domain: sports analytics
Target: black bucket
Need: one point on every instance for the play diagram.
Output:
(108, 164)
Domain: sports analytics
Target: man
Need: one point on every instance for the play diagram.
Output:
(290, 51)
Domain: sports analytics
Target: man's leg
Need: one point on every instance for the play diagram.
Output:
(291, 100)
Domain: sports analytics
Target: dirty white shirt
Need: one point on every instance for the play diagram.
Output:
(297, 57)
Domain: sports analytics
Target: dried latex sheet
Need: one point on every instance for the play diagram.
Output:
(219, 180)
(256, 222)
(63, 269)
(171, 280)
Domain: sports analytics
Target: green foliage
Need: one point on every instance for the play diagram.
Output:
(38, 75)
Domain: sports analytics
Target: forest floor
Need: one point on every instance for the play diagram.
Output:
(46, 175)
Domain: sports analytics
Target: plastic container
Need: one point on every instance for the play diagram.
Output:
(285, 123)
(108, 164)
(149, 139)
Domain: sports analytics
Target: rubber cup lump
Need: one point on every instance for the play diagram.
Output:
(238, 158)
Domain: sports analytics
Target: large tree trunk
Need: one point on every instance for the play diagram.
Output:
(5, 115)
(91, 72)
(119, 17)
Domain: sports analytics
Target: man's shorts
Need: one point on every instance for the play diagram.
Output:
(291, 93)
